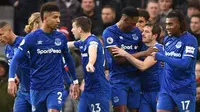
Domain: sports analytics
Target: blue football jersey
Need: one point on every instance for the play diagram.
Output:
(130, 42)
(150, 78)
(177, 79)
(95, 81)
(46, 51)
(23, 71)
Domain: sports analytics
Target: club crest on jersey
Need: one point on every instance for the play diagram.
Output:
(109, 40)
(115, 99)
(135, 37)
(57, 42)
(178, 44)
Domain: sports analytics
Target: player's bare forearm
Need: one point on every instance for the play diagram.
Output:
(71, 44)
(92, 51)
(139, 54)
(145, 53)
(119, 59)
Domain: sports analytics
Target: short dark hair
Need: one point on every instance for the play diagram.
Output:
(110, 7)
(196, 15)
(144, 13)
(181, 18)
(2, 24)
(194, 4)
(130, 11)
(151, 1)
(48, 7)
(84, 22)
(156, 29)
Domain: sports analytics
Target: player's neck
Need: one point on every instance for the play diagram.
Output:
(85, 36)
(178, 34)
(46, 29)
(13, 38)
(151, 44)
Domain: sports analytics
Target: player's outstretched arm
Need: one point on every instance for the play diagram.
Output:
(92, 51)
(72, 71)
(145, 53)
(70, 44)
(142, 65)
(185, 61)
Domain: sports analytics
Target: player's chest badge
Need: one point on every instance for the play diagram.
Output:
(135, 37)
(57, 42)
(178, 44)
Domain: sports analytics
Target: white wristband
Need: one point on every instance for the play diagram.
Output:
(11, 79)
(75, 81)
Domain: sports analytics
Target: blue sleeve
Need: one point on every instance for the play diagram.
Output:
(27, 42)
(66, 77)
(77, 44)
(24, 46)
(160, 48)
(69, 60)
(185, 61)
(15, 62)
(109, 39)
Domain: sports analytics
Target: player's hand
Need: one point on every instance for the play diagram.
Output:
(74, 91)
(154, 54)
(12, 88)
(116, 51)
(150, 50)
(71, 91)
(90, 67)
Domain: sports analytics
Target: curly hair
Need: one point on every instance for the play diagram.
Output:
(34, 19)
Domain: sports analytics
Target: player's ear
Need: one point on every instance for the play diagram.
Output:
(9, 28)
(179, 26)
(155, 36)
(44, 18)
(79, 29)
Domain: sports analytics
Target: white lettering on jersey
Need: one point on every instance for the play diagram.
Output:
(173, 54)
(190, 49)
(84, 54)
(126, 47)
(48, 51)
